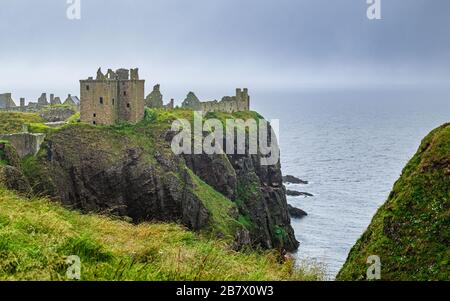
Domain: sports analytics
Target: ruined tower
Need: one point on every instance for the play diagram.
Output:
(22, 104)
(112, 98)
(242, 99)
(42, 100)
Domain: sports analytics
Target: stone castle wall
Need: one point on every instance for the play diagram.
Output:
(98, 102)
(57, 114)
(228, 104)
(112, 98)
(131, 100)
(25, 143)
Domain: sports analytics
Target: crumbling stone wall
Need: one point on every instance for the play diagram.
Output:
(228, 104)
(6, 102)
(56, 114)
(192, 102)
(25, 143)
(155, 98)
(170, 105)
(42, 100)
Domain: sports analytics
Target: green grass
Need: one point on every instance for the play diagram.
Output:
(145, 135)
(13, 122)
(3, 159)
(73, 118)
(220, 208)
(8, 155)
(36, 236)
(411, 231)
(40, 128)
(51, 107)
(166, 117)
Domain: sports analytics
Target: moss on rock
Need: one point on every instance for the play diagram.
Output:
(411, 231)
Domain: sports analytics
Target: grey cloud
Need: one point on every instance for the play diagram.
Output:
(217, 44)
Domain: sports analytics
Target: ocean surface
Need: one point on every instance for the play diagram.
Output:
(351, 146)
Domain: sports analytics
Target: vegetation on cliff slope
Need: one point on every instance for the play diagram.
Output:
(411, 231)
(139, 158)
(37, 235)
(83, 150)
(12, 122)
(108, 144)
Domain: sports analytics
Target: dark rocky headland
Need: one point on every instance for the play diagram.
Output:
(130, 171)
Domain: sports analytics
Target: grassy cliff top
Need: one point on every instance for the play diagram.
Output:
(37, 235)
(11, 122)
(411, 231)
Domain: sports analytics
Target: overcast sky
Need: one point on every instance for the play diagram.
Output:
(213, 46)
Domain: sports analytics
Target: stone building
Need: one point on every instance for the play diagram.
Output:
(6, 102)
(170, 105)
(72, 101)
(42, 100)
(228, 104)
(54, 101)
(155, 98)
(111, 98)
(192, 102)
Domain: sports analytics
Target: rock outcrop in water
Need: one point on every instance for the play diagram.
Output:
(296, 212)
(293, 180)
(411, 232)
(131, 171)
(298, 193)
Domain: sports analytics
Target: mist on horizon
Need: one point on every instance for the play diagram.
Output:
(212, 47)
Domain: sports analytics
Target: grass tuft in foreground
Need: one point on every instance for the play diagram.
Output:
(36, 236)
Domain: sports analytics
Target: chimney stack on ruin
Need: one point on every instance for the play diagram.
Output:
(22, 104)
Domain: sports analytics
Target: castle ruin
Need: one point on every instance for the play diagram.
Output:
(155, 100)
(228, 104)
(6, 102)
(115, 97)
(118, 96)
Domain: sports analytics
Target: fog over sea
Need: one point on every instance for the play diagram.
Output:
(351, 146)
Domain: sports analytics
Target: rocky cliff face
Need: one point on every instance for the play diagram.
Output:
(257, 191)
(131, 171)
(11, 175)
(98, 170)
